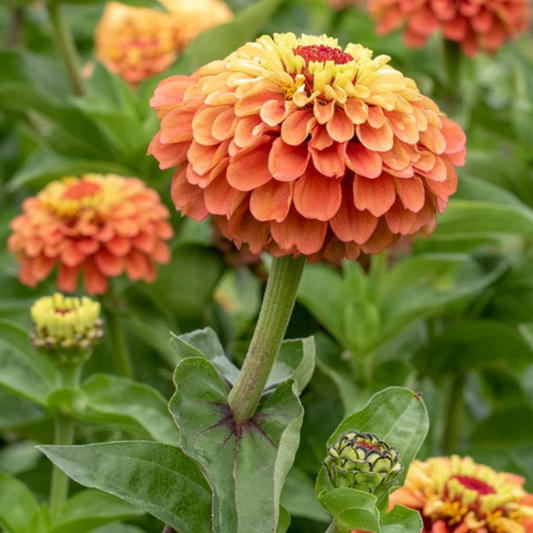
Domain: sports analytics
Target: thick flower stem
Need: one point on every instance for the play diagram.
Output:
(68, 378)
(454, 407)
(452, 59)
(123, 365)
(274, 317)
(66, 46)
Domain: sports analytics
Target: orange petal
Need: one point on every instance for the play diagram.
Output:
(356, 110)
(381, 238)
(378, 139)
(411, 192)
(376, 195)
(223, 126)
(41, 266)
(249, 169)
(340, 127)
(317, 196)
(433, 139)
(222, 199)
(95, 281)
(67, 279)
(252, 103)
(396, 158)
(176, 126)
(71, 255)
(137, 266)
(399, 219)
(363, 161)
(274, 112)
(187, 198)
(170, 91)
(320, 138)
(297, 126)
(205, 158)
(376, 118)
(286, 162)
(403, 126)
(145, 241)
(109, 264)
(202, 124)
(271, 201)
(323, 112)
(329, 161)
(454, 135)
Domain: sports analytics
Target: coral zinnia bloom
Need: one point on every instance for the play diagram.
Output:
(454, 494)
(98, 226)
(475, 24)
(135, 42)
(299, 147)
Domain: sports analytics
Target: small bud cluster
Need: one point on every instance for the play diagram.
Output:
(66, 325)
(362, 461)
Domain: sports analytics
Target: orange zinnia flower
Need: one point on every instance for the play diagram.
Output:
(475, 24)
(99, 226)
(299, 147)
(454, 494)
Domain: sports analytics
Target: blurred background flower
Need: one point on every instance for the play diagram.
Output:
(98, 226)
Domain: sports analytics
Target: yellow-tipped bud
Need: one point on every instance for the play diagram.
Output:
(66, 325)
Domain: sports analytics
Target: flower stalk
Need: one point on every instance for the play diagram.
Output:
(123, 364)
(452, 60)
(68, 377)
(454, 413)
(66, 46)
(276, 310)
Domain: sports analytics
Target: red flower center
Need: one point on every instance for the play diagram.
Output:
(81, 189)
(63, 310)
(322, 53)
(368, 445)
(473, 483)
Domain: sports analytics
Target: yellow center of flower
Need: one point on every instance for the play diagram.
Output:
(64, 318)
(459, 491)
(88, 197)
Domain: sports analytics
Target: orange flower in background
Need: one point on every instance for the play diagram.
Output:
(475, 24)
(298, 147)
(454, 494)
(137, 43)
(97, 226)
(196, 16)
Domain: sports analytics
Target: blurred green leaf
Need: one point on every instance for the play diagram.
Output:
(17, 504)
(508, 427)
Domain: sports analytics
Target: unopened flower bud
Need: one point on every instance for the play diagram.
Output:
(362, 461)
(67, 327)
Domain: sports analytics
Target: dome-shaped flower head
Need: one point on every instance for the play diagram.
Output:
(362, 461)
(136, 42)
(297, 146)
(196, 16)
(454, 494)
(66, 327)
(97, 226)
(478, 25)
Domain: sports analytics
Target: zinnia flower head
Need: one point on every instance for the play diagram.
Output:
(455, 494)
(136, 42)
(196, 16)
(100, 226)
(297, 146)
(475, 24)
(66, 326)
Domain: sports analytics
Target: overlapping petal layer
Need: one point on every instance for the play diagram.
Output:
(454, 494)
(475, 24)
(97, 226)
(298, 147)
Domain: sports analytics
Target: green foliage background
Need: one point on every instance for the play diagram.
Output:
(451, 316)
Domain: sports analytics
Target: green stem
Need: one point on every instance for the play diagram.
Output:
(274, 317)
(452, 59)
(332, 527)
(68, 377)
(66, 46)
(454, 412)
(123, 365)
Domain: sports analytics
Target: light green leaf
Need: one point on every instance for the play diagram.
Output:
(401, 520)
(246, 464)
(284, 520)
(158, 478)
(23, 371)
(17, 504)
(114, 400)
(90, 509)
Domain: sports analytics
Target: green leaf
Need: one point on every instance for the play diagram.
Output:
(284, 520)
(23, 371)
(401, 520)
(17, 504)
(114, 400)
(205, 343)
(246, 464)
(295, 360)
(158, 478)
(397, 416)
(351, 509)
(90, 509)
(506, 427)
(117, 527)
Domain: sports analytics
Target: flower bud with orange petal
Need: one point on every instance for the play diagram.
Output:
(299, 147)
(483, 25)
(97, 226)
(136, 42)
(455, 494)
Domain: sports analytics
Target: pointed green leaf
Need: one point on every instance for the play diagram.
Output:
(158, 478)
(246, 464)
(17, 504)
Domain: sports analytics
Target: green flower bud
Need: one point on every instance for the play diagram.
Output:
(362, 461)
(66, 327)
